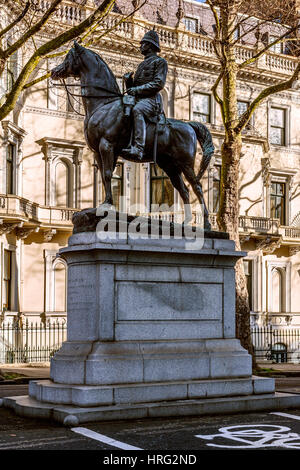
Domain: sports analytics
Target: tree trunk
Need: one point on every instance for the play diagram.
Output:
(228, 221)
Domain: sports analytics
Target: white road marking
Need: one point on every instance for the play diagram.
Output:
(255, 436)
(287, 415)
(105, 439)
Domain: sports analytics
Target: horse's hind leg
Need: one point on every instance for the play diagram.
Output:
(178, 183)
(197, 188)
(108, 165)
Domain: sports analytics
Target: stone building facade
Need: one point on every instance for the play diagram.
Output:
(47, 171)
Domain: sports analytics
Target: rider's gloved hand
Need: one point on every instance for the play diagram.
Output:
(132, 91)
(128, 75)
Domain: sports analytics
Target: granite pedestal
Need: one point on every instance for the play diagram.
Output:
(151, 332)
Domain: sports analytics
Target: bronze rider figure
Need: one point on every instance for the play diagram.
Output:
(149, 79)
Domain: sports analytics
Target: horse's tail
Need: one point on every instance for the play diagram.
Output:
(206, 143)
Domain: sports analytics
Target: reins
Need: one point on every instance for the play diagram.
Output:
(113, 94)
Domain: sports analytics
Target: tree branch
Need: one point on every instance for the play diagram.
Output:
(33, 30)
(263, 95)
(16, 21)
(214, 11)
(45, 49)
(107, 31)
(37, 80)
(217, 39)
(267, 47)
(257, 25)
(217, 96)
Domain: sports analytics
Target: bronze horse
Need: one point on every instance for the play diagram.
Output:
(107, 129)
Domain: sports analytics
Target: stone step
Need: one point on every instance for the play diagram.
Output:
(89, 395)
(72, 415)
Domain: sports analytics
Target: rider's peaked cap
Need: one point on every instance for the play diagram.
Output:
(152, 37)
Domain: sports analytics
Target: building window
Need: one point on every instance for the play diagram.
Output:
(278, 126)
(248, 273)
(63, 160)
(12, 70)
(161, 188)
(278, 288)
(216, 188)
(117, 186)
(277, 299)
(60, 275)
(237, 33)
(242, 107)
(278, 201)
(10, 168)
(56, 273)
(202, 107)
(61, 184)
(277, 48)
(191, 24)
(12, 164)
(7, 279)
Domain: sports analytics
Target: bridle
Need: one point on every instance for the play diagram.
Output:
(112, 94)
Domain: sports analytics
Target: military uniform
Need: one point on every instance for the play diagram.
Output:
(148, 81)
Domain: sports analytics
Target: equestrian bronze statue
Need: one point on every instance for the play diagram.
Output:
(111, 131)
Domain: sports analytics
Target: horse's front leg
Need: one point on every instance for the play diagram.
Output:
(108, 164)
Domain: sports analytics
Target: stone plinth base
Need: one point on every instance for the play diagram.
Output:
(74, 415)
(151, 331)
(88, 395)
(127, 362)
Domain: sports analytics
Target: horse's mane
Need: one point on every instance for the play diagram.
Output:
(110, 77)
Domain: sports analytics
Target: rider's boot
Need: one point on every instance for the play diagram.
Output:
(137, 150)
(133, 151)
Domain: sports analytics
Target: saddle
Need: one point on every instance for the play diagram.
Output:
(159, 119)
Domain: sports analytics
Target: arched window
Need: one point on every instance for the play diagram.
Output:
(63, 160)
(60, 275)
(61, 184)
(277, 298)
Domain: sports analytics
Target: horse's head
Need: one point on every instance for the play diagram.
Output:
(89, 67)
(71, 66)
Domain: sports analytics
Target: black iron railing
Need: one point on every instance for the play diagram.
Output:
(276, 345)
(30, 342)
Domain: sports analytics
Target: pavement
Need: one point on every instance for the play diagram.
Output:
(288, 369)
(26, 372)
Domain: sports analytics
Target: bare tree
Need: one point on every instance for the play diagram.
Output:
(235, 20)
(26, 28)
